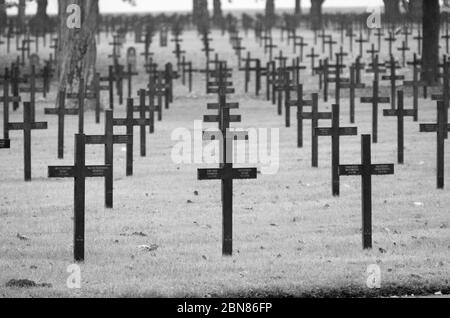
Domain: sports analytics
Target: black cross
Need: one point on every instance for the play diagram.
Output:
(415, 84)
(282, 85)
(185, 65)
(335, 132)
(400, 113)
(361, 42)
(406, 32)
(79, 171)
(366, 170)
(270, 74)
(270, 46)
(178, 53)
(129, 76)
(80, 97)
(61, 112)
(358, 68)
(27, 127)
(157, 89)
(16, 80)
(445, 96)
(352, 86)
(248, 61)
(376, 68)
(379, 34)
(320, 70)
(299, 42)
(340, 55)
(350, 35)
(391, 39)
(404, 48)
(441, 128)
(147, 54)
(393, 78)
(372, 52)
(129, 122)
(110, 86)
(24, 48)
(109, 140)
(281, 60)
(32, 89)
(447, 38)
(226, 173)
(375, 100)
(299, 103)
(295, 69)
(323, 36)
(313, 57)
(169, 76)
(142, 109)
(419, 39)
(330, 44)
(315, 116)
(238, 48)
(6, 99)
(292, 35)
(337, 78)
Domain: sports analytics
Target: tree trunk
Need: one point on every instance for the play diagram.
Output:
(217, 11)
(77, 47)
(430, 58)
(3, 15)
(200, 15)
(316, 14)
(298, 7)
(21, 15)
(40, 22)
(270, 13)
(392, 10)
(203, 16)
(415, 9)
(195, 11)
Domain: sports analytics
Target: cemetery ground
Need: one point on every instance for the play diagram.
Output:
(291, 237)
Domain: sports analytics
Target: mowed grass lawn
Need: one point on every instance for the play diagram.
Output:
(291, 237)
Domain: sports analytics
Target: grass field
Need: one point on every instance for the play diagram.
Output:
(291, 237)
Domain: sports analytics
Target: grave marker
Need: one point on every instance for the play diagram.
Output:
(441, 129)
(27, 126)
(109, 140)
(366, 170)
(375, 100)
(226, 173)
(61, 112)
(335, 132)
(79, 171)
(315, 116)
(400, 113)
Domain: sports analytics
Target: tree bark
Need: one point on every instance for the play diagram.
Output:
(316, 14)
(392, 10)
(77, 47)
(431, 25)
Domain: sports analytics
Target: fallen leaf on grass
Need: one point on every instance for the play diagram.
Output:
(22, 237)
(25, 283)
(148, 248)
